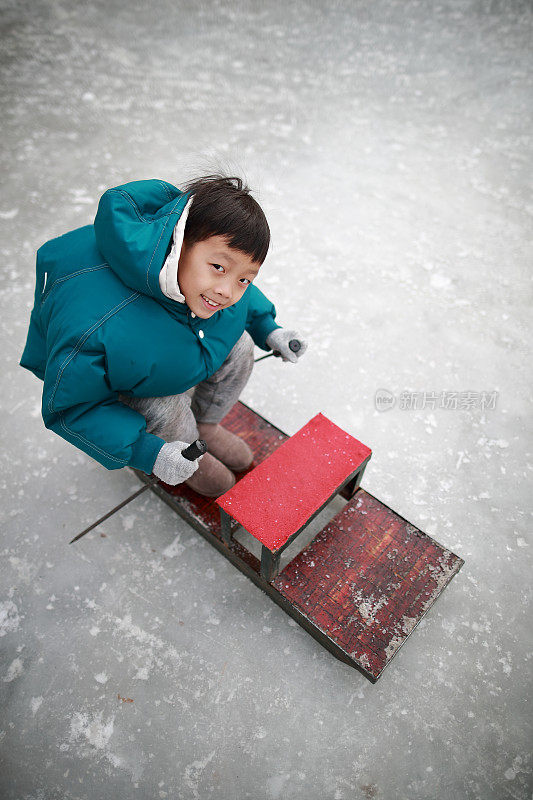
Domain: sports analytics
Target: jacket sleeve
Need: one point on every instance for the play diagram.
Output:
(80, 407)
(261, 316)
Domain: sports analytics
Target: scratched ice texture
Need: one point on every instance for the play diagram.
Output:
(390, 145)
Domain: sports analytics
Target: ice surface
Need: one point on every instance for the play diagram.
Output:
(390, 146)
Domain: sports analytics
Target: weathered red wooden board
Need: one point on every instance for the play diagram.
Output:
(364, 582)
(367, 579)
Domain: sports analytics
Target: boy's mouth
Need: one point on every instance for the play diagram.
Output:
(209, 303)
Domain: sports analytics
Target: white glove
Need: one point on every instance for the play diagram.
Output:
(279, 340)
(171, 467)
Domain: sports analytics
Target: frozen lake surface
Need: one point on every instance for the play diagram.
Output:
(390, 145)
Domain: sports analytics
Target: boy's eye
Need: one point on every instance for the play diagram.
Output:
(218, 267)
(245, 281)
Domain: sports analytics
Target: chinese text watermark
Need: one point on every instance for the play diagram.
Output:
(384, 400)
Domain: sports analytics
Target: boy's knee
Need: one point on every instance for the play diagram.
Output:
(239, 362)
(244, 349)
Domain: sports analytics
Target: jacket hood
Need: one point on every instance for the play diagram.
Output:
(137, 231)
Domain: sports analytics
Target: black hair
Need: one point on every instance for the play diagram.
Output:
(223, 206)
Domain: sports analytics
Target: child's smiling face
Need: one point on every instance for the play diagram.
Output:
(213, 276)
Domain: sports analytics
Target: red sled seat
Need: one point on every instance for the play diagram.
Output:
(276, 500)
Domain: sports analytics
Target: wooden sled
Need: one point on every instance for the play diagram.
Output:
(364, 582)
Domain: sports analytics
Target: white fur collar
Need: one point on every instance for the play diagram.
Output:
(168, 277)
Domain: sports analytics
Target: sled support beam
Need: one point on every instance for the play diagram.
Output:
(269, 563)
(225, 526)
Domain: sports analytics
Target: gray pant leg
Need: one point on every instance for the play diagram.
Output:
(214, 397)
(169, 417)
(174, 417)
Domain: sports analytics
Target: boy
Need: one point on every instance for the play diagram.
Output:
(152, 301)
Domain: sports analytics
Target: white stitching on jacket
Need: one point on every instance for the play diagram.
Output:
(82, 341)
(165, 187)
(87, 442)
(148, 221)
(72, 275)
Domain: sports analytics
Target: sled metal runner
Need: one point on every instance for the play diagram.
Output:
(364, 582)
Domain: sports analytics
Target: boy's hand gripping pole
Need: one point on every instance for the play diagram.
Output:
(294, 345)
(191, 453)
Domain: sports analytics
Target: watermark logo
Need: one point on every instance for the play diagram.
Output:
(384, 400)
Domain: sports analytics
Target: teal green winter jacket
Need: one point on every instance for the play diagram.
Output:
(101, 326)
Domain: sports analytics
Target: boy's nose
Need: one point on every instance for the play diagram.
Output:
(223, 290)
